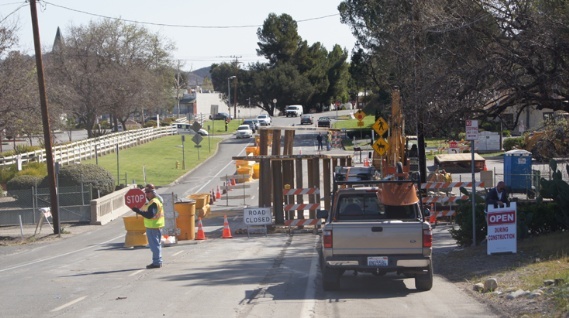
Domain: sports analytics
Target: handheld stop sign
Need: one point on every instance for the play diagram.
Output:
(135, 198)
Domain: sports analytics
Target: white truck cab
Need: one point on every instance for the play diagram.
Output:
(294, 111)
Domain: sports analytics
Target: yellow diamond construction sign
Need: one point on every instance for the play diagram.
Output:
(380, 126)
(381, 146)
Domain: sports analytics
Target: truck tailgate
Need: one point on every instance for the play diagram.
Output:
(387, 237)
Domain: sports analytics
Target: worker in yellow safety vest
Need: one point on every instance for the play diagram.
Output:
(153, 213)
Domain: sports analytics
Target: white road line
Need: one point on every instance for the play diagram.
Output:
(175, 254)
(308, 306)
(59, 255)
(220, 170)
(69, 304)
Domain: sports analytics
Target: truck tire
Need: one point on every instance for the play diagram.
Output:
(424, 282)
(330, 278)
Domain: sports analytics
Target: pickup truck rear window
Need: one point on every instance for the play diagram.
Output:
(358, 207)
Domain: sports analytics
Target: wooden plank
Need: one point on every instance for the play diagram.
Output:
(327, 176)
(299, 180)
(277, 187)
(276, 149)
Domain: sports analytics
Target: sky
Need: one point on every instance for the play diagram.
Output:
(204, 32)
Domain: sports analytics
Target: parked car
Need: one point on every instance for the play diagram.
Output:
(253, 123)
(306, 119)
(243, 131)
(220, 116)
(324, 122)
(264, 119)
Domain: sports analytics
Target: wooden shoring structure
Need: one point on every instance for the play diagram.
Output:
(278, 171)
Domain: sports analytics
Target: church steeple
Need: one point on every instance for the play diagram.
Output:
(58, 42)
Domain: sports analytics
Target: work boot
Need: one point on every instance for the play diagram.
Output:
(153, 266)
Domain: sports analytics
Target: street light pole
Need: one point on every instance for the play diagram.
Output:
(229, 93)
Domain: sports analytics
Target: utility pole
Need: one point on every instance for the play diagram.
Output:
(45, 120)
(178, 88)
(235, 100)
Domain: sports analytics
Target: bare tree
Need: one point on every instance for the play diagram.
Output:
(110, 68)
(19, 104)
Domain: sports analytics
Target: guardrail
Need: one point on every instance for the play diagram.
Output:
(89, 148)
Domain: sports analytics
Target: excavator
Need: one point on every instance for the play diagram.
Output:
(399, 157)
(395, 159)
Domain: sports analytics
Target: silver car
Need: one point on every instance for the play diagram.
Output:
(253, 123)
(244, 131)
(264, 119)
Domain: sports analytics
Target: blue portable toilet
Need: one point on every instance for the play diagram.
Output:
(517, 170)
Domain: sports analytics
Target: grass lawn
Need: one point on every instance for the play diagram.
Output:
(352, 123)
(218, 126)
(157, 160)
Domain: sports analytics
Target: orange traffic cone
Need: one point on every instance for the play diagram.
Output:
(218, 194)
(485, 169)
(233, 181)
(366, 162)
(201, 234)
(433, 218)
(226, 229)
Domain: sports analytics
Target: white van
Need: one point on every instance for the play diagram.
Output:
(293, 110)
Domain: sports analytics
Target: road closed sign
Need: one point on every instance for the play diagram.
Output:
(135, 198)
(502, 236)
(257, 216)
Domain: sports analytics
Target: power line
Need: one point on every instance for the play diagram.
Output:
(181, 25)
(9, 14)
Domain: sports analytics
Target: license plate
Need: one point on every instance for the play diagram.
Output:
(377, 261)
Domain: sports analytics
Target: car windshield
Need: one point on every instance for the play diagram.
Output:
(243, 128)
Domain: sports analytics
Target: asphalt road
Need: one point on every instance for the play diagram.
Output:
(92, 275)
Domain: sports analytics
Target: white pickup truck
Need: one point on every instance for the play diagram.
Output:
(375, 226)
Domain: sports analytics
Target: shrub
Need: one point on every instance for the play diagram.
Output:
(510, 143)
(7, 173)
(463, 232)
(105, 124)
(25, 148)
(23, 182)
(150, 123)
(533, 218)
(73, 175)
(167, 121)
(538, 218)
(34, 169)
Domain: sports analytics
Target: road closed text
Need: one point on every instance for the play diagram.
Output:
(257, 216)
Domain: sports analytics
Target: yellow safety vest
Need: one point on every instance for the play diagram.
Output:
(158, 220)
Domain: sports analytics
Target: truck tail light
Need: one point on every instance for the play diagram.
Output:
(427, 238)
(327, 239)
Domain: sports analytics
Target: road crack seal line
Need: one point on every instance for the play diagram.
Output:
(265, 282)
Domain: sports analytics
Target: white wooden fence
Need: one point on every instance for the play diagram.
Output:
(89, 148)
